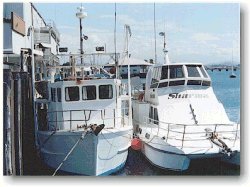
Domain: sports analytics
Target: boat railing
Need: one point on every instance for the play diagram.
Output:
(189, 132)
(59, 116)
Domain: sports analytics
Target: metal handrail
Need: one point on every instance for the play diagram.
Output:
(149, 121)
(86, 118)
(182, 124)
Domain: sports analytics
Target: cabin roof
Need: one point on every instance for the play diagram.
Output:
(179, 63)
(84, 82)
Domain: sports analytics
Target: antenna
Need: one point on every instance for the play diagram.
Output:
(232, 55)
(155, 35)
(55, 13)
(116, 62)
(128, 34)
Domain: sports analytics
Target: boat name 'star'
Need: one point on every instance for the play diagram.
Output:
(184, 96)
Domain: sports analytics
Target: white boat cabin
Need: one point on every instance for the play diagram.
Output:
(179, 93)
(73, 105)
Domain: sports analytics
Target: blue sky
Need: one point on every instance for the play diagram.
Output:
(196, 32)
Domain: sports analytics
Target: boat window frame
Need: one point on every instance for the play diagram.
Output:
(163, 84)
(206, 83)
(203, 71)
(167, 72)
(176, 77)
(171, 83)
(197, 71)
(154, 85)
(91, 99)
(69, 95)
(59, 94)
(151, 114)
(156, 75)
(194, 82)
(156, 116)
(110, 97)
(53, 94)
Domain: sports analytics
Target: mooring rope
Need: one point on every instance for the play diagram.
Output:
(213, 137)
(45, 141)
(71, 150)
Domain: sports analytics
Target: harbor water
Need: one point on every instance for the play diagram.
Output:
(227, 91)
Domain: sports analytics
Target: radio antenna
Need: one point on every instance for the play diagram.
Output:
(116, 61)
(155, 35)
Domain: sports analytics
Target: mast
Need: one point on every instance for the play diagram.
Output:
(165, 51)
(155, 35)
(232, 59)
(31, 30)
(116, 61)
(127, 35)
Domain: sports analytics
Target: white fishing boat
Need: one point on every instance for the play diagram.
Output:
(84, 125)
(178, 118)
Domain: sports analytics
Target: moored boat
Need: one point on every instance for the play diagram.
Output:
(179, 118)
(84, 125)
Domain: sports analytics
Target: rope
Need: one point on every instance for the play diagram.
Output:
(220, 143)
(71, 150)
(46, 140)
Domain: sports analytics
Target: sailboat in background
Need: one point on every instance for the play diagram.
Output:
(232, 69)
(232, 73)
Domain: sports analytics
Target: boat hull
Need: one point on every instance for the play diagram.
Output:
(165, 159)
(233, 159)
(165, 156)
(93, 155)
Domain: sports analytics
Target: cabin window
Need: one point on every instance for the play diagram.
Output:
(78, 74)
(72, 93)
(176, 72)
(59, 95)
(206, 83)
(164, 72)
(163, 84)
(105, 92)
(156, 75)
(88, 92)
(153, 115)
(203, 72)
(53, 94)
(154, 85)
(194, 82)
(151, 111)
(176, 83)
(192, 71)
(156, 118)
(154, 81)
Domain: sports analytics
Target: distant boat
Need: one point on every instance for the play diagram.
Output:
(232, 69)
(232, 74)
